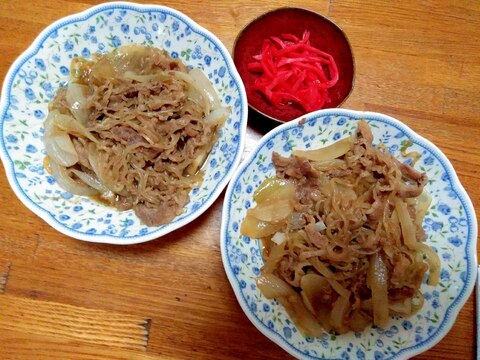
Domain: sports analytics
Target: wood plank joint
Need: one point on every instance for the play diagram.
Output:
(4, 276)
(146, 325)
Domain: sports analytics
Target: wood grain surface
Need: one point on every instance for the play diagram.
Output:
(60, 298)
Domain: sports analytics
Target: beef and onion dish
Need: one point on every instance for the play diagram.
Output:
(342, 236)
(133, 128)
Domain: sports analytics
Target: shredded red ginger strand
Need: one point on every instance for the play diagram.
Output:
(294, 72)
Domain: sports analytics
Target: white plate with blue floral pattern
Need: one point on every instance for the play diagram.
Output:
(35, 76)
(450, 226)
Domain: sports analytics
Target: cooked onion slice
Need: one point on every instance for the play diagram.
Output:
(76, 97)
(272, 211)
(65, 181)
(423, 204)
(433, 262)
(276, 254)
(93, 159)
(204, 83)
(90, 180)
(377, 280)
(279, 238)
(329, 152)
(197, 163)
(273, 188)
(195, 92)
(319, 226)
(254, 228)
(406, 224)
(272, 286)
(70, 125)
(58, 145)
(339, 310)
(157, 75)
(218, 116)
(313, 287)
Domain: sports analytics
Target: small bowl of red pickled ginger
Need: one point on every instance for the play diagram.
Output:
(293, 61)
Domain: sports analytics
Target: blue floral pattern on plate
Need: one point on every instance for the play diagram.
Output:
(34, 78)
(450, 226)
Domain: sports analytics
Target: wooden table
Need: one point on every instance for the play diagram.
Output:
(170, 298)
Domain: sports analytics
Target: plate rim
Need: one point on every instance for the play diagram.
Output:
(33, 49)
(453, 309)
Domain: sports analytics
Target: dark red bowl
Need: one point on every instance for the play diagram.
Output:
(324, 35)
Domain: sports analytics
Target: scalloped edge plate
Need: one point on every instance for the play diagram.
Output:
(242, 259)
(117, 234)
